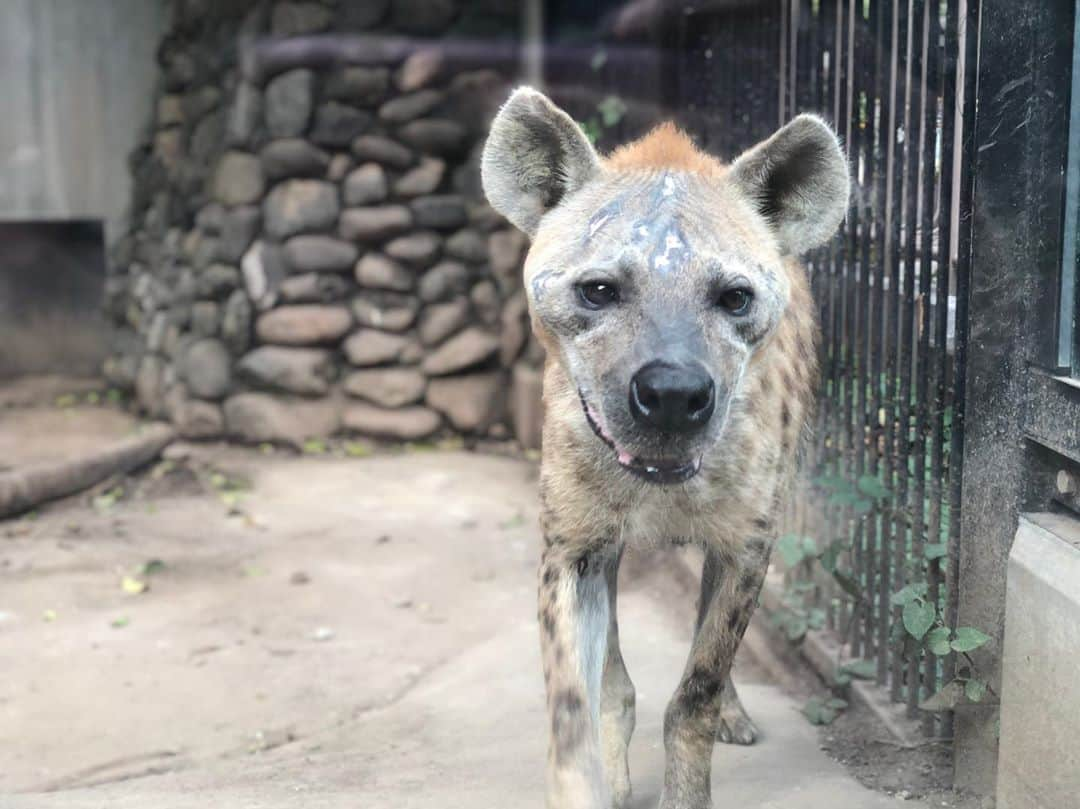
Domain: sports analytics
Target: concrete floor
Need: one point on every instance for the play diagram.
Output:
(359, 632)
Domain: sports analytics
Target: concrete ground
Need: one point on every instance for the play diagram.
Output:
(327, 632)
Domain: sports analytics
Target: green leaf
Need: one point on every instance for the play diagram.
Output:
(969, 638)
(796, 628)
(598, 60)
(816, 618)
(872, 487)
(918, 618)
(937, 641)
(152, 567)
(356, 449)
(862, 507)
(836, 704)
(975, 690)
(819, 711)
(860, 669)
(936, 550)
(790, 548)
(946, 699)
(809, 547)
(314, 446)
(611, 109)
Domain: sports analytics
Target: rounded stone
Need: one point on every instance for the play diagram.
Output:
(472, 402)
(205, 368)
(406, 108)
(365, 185)
(443, 281)
(404, 424)
(336, 124)
(423, 179)
(238, 229)
(441, 320)
(438, 136)
(420, 69)
(382, 149)
(418, 249)
(387, 387)
(374, 347)
(391, 311)
(288, 103)
(296, 19)
(318, 253)
(300, 206)
(376, 271)
(375, 223)
(313, 287)
(441, 211)
(303, 324)
(259, 417)
(293, 157)
(305, 371)
(466, 349)
(236, 322)
(467, 245)
(238, 179)
(423, 16)
(361, 85)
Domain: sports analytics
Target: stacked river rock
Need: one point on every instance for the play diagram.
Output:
(311, 252)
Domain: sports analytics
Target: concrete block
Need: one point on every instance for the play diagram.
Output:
(1039, 756)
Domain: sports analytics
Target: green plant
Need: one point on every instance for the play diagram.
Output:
(922, 629)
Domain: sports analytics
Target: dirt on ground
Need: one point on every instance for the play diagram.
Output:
(921, 770)
(352, 627)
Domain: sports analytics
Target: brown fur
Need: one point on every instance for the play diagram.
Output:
(665, 147)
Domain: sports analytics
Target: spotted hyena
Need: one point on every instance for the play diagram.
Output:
(681, 344)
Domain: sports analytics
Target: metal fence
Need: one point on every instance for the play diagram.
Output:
(882, 491)
(882, 483)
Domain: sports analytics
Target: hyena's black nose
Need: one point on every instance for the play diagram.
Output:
(672, 398)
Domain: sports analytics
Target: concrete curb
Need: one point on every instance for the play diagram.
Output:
(23, 489)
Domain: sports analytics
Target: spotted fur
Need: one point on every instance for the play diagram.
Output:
(673, 225)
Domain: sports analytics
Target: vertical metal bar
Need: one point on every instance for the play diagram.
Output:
(890, 276)
(857, 219)
(936, 248)
(920, 247)
(870, 194)
(965, 43)
(902, 413)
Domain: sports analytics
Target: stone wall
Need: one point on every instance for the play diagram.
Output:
(310, 251)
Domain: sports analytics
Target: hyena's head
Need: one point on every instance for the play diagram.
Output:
(655, 274)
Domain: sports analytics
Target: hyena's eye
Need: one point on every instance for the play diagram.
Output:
(735, 301)
(598, 294)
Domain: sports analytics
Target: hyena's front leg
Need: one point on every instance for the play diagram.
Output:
(734, 726)
(573, 630)
(693, 715)
(617, 700)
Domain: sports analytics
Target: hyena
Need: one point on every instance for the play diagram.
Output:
(681, 368)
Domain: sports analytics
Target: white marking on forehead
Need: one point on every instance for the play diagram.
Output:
(597, 224)
(669, 185)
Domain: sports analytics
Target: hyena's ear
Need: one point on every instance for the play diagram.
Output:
(534, 156)
(798, 180)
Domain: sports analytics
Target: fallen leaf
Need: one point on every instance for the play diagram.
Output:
(133, 586)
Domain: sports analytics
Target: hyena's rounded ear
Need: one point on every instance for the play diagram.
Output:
(798, 180)
(534, 156)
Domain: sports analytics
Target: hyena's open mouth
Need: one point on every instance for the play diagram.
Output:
(659, 472)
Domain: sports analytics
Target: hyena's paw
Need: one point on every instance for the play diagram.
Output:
(735, 726)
